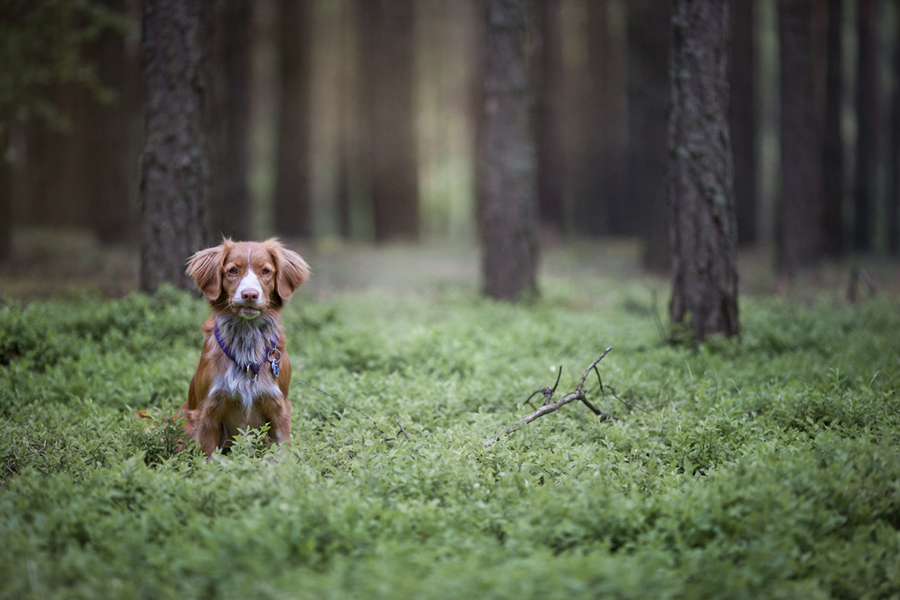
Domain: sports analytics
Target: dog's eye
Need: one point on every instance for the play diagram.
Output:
(266, 271)
(233, 270)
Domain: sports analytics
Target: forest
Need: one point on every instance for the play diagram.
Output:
(605, 297)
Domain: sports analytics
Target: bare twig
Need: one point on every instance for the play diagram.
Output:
(859, 275)
(549, 407)
(546, 391)
(404, 431)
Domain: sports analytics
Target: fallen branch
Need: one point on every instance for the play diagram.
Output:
(859, 275)
(549, 407)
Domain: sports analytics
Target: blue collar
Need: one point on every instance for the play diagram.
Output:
(271, 355)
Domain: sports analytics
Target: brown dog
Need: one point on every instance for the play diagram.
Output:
(244, 372)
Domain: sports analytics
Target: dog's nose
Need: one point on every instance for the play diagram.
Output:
(249, 295)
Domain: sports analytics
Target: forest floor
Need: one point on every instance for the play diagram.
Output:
(53, 264)
(762, 466)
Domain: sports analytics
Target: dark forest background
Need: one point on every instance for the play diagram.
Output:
(359, 120)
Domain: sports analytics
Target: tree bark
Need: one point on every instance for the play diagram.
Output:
(549, 143)
(644, 214)
(742, 118)
(392, 142)
(603, 198)
(507, 185)
(832, 145)
(6, 192)
(866, 124)
(893, 167)
(799, 238)
(175, 165)
(293, 203)
(114, 144)
(230, 193)
(701, 201)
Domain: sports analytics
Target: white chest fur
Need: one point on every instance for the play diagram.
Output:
(248, 342)
(235, 384)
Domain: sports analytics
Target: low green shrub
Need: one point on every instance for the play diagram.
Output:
(765, 466)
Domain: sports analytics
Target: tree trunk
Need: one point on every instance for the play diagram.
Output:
(507, 163)
(866, 124)
(293, 202)
(701, 202)
(799, 238)
(392, 142)
(114, 144)
(6, 193)
(743, 119)
(833, 146)
(893, 168)
(606, 122)
(230, 193)
(549, 131)
(175, 165)
(644, 214)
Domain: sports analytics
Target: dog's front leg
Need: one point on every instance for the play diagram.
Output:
(279, 419)
(210, 429)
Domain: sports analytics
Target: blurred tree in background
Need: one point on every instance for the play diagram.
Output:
(800, 236)
(293, 204)
(701, 172)
(507, 169)
(175, 166)
(51, 51)
(356, 120)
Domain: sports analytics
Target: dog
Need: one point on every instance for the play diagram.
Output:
(244, 372)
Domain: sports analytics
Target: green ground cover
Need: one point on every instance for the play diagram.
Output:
(761, 467)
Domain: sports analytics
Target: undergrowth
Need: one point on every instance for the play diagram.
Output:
(765, 466)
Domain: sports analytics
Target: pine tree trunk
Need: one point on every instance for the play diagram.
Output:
(648, 62)
(701, 202)
(606, 124)
(549, 142)
(743, 119)
(893, 166)
(507, 185)
(293, 203)
(392, 141)
(6, 192)
(832, 145)
(114, 144)
(175, 165)
(866, 124)
(800, 241)
(230, 201)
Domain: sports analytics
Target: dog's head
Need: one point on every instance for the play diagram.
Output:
(248, 277)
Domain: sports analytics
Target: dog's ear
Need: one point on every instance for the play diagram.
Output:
(290, 269)
(206, 269)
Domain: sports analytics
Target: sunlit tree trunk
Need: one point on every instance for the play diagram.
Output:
(175, 165)
(701, 202)
(743, 119)
(799, 238)
(507, 178)
(293, 203)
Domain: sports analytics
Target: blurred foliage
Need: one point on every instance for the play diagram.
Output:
(765, 466)
(42, 44)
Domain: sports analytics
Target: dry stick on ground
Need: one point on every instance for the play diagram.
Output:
(548, 407)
